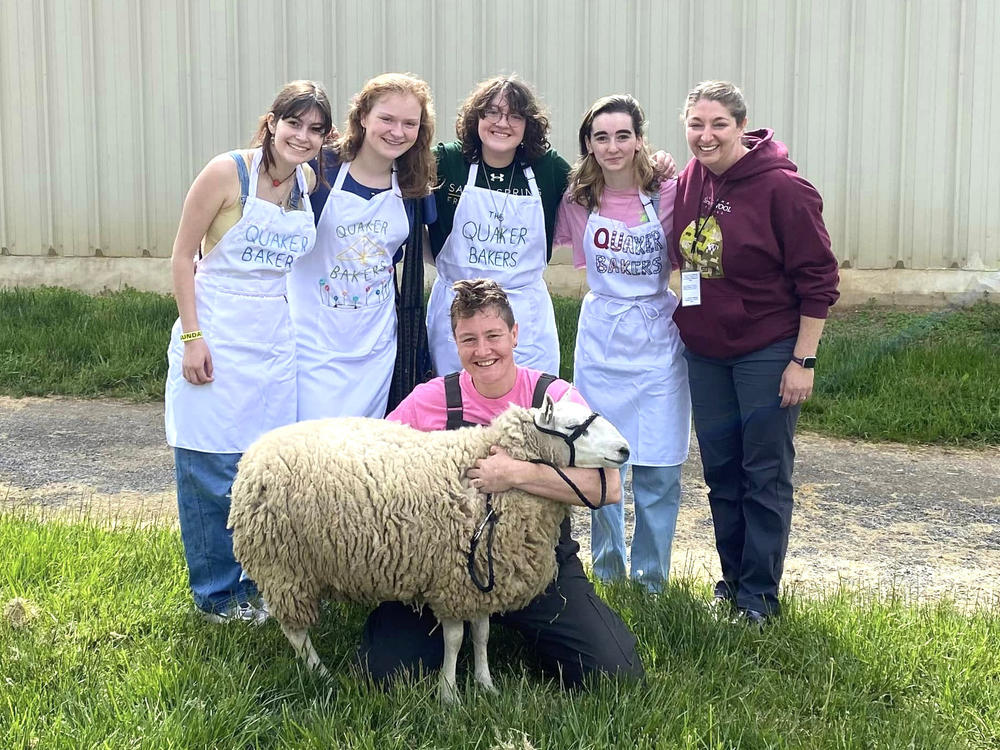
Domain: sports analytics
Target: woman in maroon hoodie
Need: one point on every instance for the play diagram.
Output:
(758, 278)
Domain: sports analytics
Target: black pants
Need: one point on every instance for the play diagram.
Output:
(747, 452)
(571, 630)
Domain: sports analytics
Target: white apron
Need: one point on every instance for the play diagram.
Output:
(343, 305)
(510, 251)
(243, 315)
(629, 363)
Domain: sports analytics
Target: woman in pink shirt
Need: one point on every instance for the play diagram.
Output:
(629, 365)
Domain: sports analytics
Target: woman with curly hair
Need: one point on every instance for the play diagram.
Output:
(344, 297)
(496, 210)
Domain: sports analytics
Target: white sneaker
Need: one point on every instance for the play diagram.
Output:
(244, 612)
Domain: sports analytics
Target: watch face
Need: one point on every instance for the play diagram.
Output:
(809, 362)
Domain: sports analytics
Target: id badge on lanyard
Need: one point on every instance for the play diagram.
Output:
(690, 288)
(691, 279)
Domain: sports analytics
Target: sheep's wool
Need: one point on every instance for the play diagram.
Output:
(368, 510)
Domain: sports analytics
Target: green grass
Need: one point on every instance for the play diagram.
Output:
(919, 377)
(54, 341)
(116, 658)
(928, 377)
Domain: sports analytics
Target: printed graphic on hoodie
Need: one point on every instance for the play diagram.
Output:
(704, 255)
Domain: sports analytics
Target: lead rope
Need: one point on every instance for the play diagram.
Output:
(491, 519)
(579, 493)
(491, 516)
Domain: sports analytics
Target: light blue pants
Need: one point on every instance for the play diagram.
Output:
(657, 493)
(203, 484)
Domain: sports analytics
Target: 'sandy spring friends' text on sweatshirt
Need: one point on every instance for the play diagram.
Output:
(764, 252)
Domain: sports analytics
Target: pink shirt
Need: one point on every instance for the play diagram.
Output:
(426, 409)
(622, 205)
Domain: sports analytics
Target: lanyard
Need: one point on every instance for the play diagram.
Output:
(699, 226)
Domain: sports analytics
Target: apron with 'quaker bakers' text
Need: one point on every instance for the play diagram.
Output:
(343, 304)
(629, 363)
(501, 237)
(239, 292)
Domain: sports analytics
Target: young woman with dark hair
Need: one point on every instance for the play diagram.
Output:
(246, 221)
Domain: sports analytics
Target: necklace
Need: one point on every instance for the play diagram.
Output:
(276, 182)
(498, 212)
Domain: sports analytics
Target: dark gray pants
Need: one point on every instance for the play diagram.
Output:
(747, 453)
(570, 629)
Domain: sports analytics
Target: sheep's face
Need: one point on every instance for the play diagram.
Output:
(587, 440)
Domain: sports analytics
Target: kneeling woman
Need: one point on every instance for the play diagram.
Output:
(246, 221)
(343, 297)
(629, 362)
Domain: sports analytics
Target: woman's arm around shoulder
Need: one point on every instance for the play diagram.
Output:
(571, 224)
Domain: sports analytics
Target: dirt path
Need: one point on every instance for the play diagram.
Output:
(926, 520)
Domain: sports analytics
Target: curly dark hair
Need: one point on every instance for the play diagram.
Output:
(521, 99)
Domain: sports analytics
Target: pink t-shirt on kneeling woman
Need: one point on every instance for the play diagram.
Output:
(426, 408)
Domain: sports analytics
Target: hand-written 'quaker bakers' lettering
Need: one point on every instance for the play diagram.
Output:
(626, 242)
(495, 234)
(495, 258)
(265, 238)
(267, 257)
(626, 267)
(374, 226)
(354, 274)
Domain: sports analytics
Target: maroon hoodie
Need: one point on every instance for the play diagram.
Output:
(765, 256)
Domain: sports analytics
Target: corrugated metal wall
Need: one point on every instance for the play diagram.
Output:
(108, 108)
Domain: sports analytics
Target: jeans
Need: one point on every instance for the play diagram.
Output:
(203, 484)
(569, 630)
(657, 493)
(747, 453)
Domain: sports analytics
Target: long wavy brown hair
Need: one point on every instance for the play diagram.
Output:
(521, 99)
(417, 168)
(294, 100)
(586, 178)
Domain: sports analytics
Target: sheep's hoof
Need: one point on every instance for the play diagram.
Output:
(488, 687)
(449, 694)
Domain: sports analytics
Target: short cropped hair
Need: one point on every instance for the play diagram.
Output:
(473, 295)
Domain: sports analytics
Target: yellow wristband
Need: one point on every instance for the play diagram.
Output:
(190, 336)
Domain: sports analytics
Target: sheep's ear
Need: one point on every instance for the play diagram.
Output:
(548, 409)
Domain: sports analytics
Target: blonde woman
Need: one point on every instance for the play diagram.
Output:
(344, 297)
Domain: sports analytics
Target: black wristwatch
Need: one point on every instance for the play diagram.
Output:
(807, 362)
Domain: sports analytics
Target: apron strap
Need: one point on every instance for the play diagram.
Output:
(529, 174)
(652, 211)
(395, 182)
(473, 171)
(338, 184)
(258, 156)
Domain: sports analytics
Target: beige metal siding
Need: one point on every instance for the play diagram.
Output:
(108, 108)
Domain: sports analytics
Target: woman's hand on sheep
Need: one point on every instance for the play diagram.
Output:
(496, 472)
(499, 472)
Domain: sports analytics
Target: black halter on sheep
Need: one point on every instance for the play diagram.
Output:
(367, 510)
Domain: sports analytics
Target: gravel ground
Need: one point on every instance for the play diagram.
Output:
(925, 520)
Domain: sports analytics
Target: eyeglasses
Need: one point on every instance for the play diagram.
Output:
(495, 114)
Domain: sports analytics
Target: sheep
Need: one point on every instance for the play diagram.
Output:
(368, 510)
